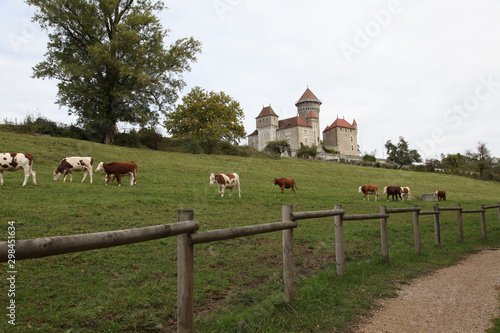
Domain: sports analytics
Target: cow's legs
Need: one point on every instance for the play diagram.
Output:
(85, 172)
(131, 174)
(26, 174)
(1, 177)
(33, 176)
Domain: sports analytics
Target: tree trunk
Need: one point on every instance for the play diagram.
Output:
(109, 137)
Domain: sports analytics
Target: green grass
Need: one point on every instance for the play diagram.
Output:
(237, 282)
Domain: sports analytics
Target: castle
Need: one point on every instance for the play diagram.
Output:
(304, 128)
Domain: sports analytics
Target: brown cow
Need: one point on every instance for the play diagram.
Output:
(394, 191)
(285, 183)
(369, 189)
(117, 169)
(441, 195)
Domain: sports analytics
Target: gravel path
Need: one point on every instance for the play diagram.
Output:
(460, 298)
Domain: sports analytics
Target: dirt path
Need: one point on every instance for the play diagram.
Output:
(461, 298)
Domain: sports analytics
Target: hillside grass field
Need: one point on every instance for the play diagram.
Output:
(238, 283)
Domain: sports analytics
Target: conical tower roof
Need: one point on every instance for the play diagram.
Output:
(308, 96)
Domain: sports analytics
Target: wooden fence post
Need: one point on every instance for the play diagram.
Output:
(460, 224)
(483, 221)
(437, 227)
(339, 242)
(384, 235)
(416, 230)
(288, 260)
(185, 277)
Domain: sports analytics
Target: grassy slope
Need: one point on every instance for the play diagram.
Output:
(132, 287)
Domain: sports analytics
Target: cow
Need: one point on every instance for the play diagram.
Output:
(405, 193)
(74, 163)
(285, 183)
(369, 189)
(441, 195)
(117, 169)
(17, 161)
(394, 191)
(226, 180)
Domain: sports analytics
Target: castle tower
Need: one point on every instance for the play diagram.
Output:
(342, 136)
(308, 108)
(267, 125)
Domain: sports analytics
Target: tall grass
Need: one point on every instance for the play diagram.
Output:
(238, 282)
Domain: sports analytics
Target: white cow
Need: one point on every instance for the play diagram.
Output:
(405, 193)
(70, 164)
(17, 161)
(229, 180)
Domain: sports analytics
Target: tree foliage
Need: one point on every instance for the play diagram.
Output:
(278, 147)
(481, 158)
(111, 62)
(401, 154)
(209, 117)
(307, 151)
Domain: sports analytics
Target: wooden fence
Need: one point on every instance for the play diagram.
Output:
(187, 236)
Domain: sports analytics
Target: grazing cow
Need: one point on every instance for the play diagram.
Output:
(17, 161)
(394, 191)
(368, 189)
(229, 180)
(117, 169)
(405, 193)
(441, 195)
(285, 183)
(75, 163)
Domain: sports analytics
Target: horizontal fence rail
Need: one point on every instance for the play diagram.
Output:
(186, 230)
(49, 246)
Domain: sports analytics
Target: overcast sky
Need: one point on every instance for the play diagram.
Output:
(428, 71)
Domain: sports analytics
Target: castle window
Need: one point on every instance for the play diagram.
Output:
(306, 141)
(305, 132)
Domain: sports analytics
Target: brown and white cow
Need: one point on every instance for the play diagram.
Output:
(226, 180)
(74, 163)
(405, 193)
(394, 191)
(285, 183)
(17, 161)
(117, 169)
(441, 195)
(369, 189)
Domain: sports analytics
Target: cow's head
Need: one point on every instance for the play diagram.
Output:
(57, 175)
(99, 166)
(212, 179)
(360, 189)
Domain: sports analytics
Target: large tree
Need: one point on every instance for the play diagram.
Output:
(401, 154)
(111, 62)
(481, 158)
(208, 117)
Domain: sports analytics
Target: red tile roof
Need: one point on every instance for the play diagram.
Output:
(339, 123)
(308, 94)
(292, 122)
(311, 115)
(267, 111)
